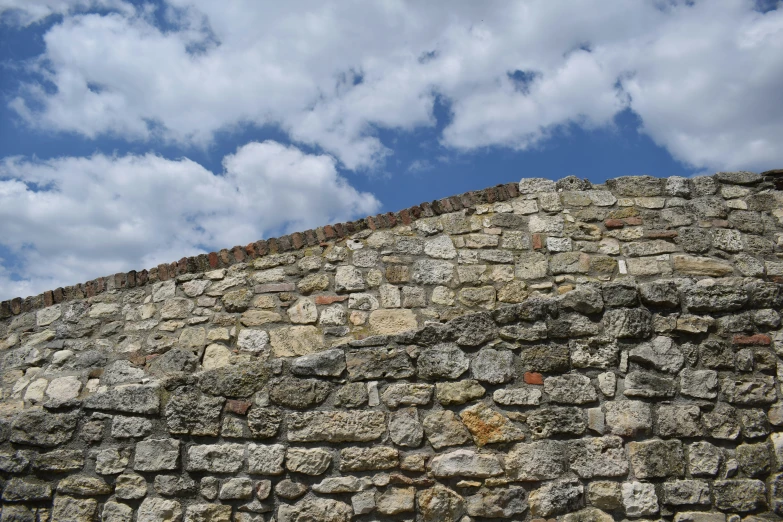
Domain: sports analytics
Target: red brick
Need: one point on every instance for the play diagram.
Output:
(250, 250)
(274, 248)
(142, 277)
(635, 220)
(131, 278)
(237, 406)
(329, 299)
(757, 340)
(297, 240)
(262, 248)
(371, 223)
(284, 243)
(614, 223)
(310, 237)
(329, 232)
(533, 378)
(405, 217)
(59, 294)
(538, 241)
(48, 298)
(214, 262)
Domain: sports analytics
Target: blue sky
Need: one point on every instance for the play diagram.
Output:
(133, 133)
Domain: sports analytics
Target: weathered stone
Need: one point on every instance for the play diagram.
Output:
(493, 366)
(570, 389)
(648, 385)
(459, 392)
(536, 461)
(701, 266)
(26, 490)
(701, 384)
(83, 485)
(517, 396)
(351, 395)
(628, 418)
(739, 495)
(545, 358)
(116, 512)
(335, 485)
(265, 459)
(405, 394)
(405, 428)
(444, 361)
(315, 509)
(264, 422)
(365, 459)
(175, 485)
(76, 510)
(308, 461)
(443, 428)
(721, 422)
(497, 503)
(235, 380)
(111, 461)
(216, 458)
(298, 393)
(335, 426)
(553, 420)
(661, 353)
(639, 499)
(556, 497)
(489, 426)
(465, 463)
(440, 504)
(38, 428)
(130, 486)
(596, 352)
(628, 323)
(189, 412)
(53, 461)
(291, 341)
(749, 391)
(604, 495)
(598, 457)
(657, 458)
(679, 420)
(379, 363)
(132, 398)
(208, 513)
(157, 455)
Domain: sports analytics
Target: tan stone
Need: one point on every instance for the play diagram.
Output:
(701, 266)
(291, 341)
(215, 356)
(387, 322)
(259, 317)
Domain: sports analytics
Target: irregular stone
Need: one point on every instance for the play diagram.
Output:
(443, 428)
(336, 485)
(175, 485)
(335, 426)
(749, 391)
(679, 420)
(329, 363)
(298, 393)
(444, 361)
(739, 495)
(157, 455)
(701, 384)
(536, 461)
(235, 380)
(312, 509)
(639, 499)
(553, 420)
(648, 385)
(493, 366)
(551, 358)
(216, 458)
(432, 272)
(459, 392)
(661, 353)
(596, 352)
(517, 396)
(132, 398)
(489, 426)
(291, 341)
(405, 428)
(598, 457)
(265, 459)
(556, 497)
(38, 428)
(76, 510)
(264, 422)
(365, 459)
(189, 412)
(288, 489)
(396, 500)
(378, 363)
(628, 323)
(252, 341)
(465, 463)
(406, 394)
(570, 389)
(54, 461)
(628, 418)
(26, 490)
(657, 458)
(111, 461)
(130, 486)
(208, 513)
(351, 395)
(721, 422)
(308, 461)
(497, 503)
(116, 512)
(440, 504)
(83, 485)
(701, 266)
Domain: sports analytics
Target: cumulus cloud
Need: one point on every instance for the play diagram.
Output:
(703, 76)
(73, 219)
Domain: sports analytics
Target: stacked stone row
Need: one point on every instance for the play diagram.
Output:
(586, 352)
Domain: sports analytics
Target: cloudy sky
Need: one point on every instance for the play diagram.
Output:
(135, 133)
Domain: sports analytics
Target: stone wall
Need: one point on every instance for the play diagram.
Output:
(533, 351)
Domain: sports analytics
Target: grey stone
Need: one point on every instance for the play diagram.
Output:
(738, 178)
(189, 412)
(628, 418)
(604, 495)
(584, 299)
(553, 420)
(699, 516)
(686, 492)
(627, 323)
(754, 423)
(157, 455)
(53, 461)
(234, 380)
(405, 428)
(111, 461)
(551, 358)
(524, 332)
(130, 427)
(497, 503)
(116, 512)
(648, 385)
(702, 384)
(637, 186)
(465, 463)
(518, 396)
(351, 395)
(472, 329)
(175, 485)
(739, 495)
(432, 272)
(753, 459)
(443, 428)
(407, 394)
(716, 354)
(493, 366)
(536, 461)
(657, 458)
(556, 497)
(26, 490)
(661, 353)
(335, 426)
(639, 499)
(620, 294)
(598, 457)
(715, 298)
(173, 361)
(83, 485)
(721, 422)
(595, 352)
(444, 361)
(298, 393)
(208, 513)
(365, 459)
(440, 247)
(133, 398)
(130, 486)
(333, 485)
(394, 501)
(749, 391)
(38, 428)
(265, 459)
(329, 363)
(122, 372)
(679, 420)
(348, 279)
(264, 422)
(378, 363)
(570, 389)
(76, 509)
(216, 458)
(660, 294)
(308, 461)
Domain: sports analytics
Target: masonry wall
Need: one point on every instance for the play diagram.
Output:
(532, 351)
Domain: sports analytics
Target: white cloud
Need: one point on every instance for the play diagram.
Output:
(73, 219)
(28, 12)
(704, 78)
